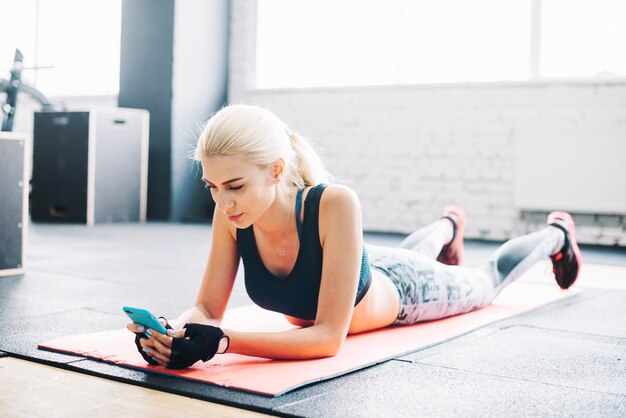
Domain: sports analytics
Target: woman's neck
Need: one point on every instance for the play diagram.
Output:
(279, 220)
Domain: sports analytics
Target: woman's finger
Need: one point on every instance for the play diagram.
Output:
(167, 339)
(176, 333)
(151, 347)
(146, 343)
(156, 355)
(162, 338)
(160, 343)
(163, 350)
(136, 328)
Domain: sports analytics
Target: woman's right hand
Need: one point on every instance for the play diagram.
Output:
(138, 330)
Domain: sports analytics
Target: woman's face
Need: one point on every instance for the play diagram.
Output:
(241, 190)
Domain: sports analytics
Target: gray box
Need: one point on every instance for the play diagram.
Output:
(13, 202)
(90, 167)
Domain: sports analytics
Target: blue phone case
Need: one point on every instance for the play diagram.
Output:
(145, 318)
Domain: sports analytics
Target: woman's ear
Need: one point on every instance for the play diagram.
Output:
(278, 168)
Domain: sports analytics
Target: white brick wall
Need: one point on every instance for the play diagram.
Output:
(409, 150)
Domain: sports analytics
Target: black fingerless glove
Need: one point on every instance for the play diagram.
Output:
(201, 343)
(138, 337)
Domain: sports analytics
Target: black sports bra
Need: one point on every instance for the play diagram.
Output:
(297, 294)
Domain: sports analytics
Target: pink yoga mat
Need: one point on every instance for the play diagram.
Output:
(274, 378)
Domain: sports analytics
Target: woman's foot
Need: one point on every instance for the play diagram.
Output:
(566, 263)
(452, 252)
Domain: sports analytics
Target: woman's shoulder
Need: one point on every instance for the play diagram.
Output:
(338, 200)
(338, 193)
(339, 214)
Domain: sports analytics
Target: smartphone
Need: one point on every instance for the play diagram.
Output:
(145, 318)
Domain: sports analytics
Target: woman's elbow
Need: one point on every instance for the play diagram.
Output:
(332, 345)
(333, 351)
(324, 351)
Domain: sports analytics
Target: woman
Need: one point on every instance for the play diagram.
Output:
(302, 248)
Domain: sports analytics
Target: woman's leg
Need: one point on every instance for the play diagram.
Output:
(441, 240)
(556, 241)
(431, 290)
(517, 256)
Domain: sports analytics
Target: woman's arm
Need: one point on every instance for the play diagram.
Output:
(341, 237)
(220, 271)
(215, 290)
(219, 277)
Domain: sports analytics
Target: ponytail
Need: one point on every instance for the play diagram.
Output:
(308, 167)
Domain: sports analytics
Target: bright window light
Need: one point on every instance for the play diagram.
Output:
(78, 39)
(458, 41)
(18, 30)
(302, 43)
(316, 43)
(583, 38)
(81, 40)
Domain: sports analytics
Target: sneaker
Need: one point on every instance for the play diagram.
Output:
(452, 253)
(566, 263)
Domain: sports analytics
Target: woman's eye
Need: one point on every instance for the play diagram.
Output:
(209, 187)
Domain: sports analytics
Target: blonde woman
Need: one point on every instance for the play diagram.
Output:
(301, 242)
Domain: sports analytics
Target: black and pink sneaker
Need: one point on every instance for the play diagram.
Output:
(566, 263)
(452, 253)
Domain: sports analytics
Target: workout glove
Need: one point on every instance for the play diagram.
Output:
(200, 343)
(138, 337)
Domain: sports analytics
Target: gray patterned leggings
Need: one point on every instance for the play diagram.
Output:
(431, 290)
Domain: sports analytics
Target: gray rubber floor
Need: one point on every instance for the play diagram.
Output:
(565, 359)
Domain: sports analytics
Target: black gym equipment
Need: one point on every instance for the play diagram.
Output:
(12, 87)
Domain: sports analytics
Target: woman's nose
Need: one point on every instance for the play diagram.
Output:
(224, 202)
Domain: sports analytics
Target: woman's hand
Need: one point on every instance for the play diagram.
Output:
(194, 342)
(153, 346)
(181, 348)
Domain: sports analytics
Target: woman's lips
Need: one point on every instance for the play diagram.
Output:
(235, 218)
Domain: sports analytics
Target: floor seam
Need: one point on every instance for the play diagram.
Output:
(521, 379)
(573, 332)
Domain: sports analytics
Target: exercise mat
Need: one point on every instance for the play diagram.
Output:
(276, 377)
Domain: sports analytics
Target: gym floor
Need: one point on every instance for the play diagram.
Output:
(565, 359)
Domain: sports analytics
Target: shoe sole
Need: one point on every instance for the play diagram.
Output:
(571, 230)
(460, 228)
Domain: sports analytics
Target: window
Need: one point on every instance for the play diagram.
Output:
(72, 47)
(583, 38)
(18, 29)
(311, 43)
(450, 40)
(305, 43)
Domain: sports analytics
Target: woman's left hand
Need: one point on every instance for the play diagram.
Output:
(194, 342)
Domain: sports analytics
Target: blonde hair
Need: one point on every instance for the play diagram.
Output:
(260, 137)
